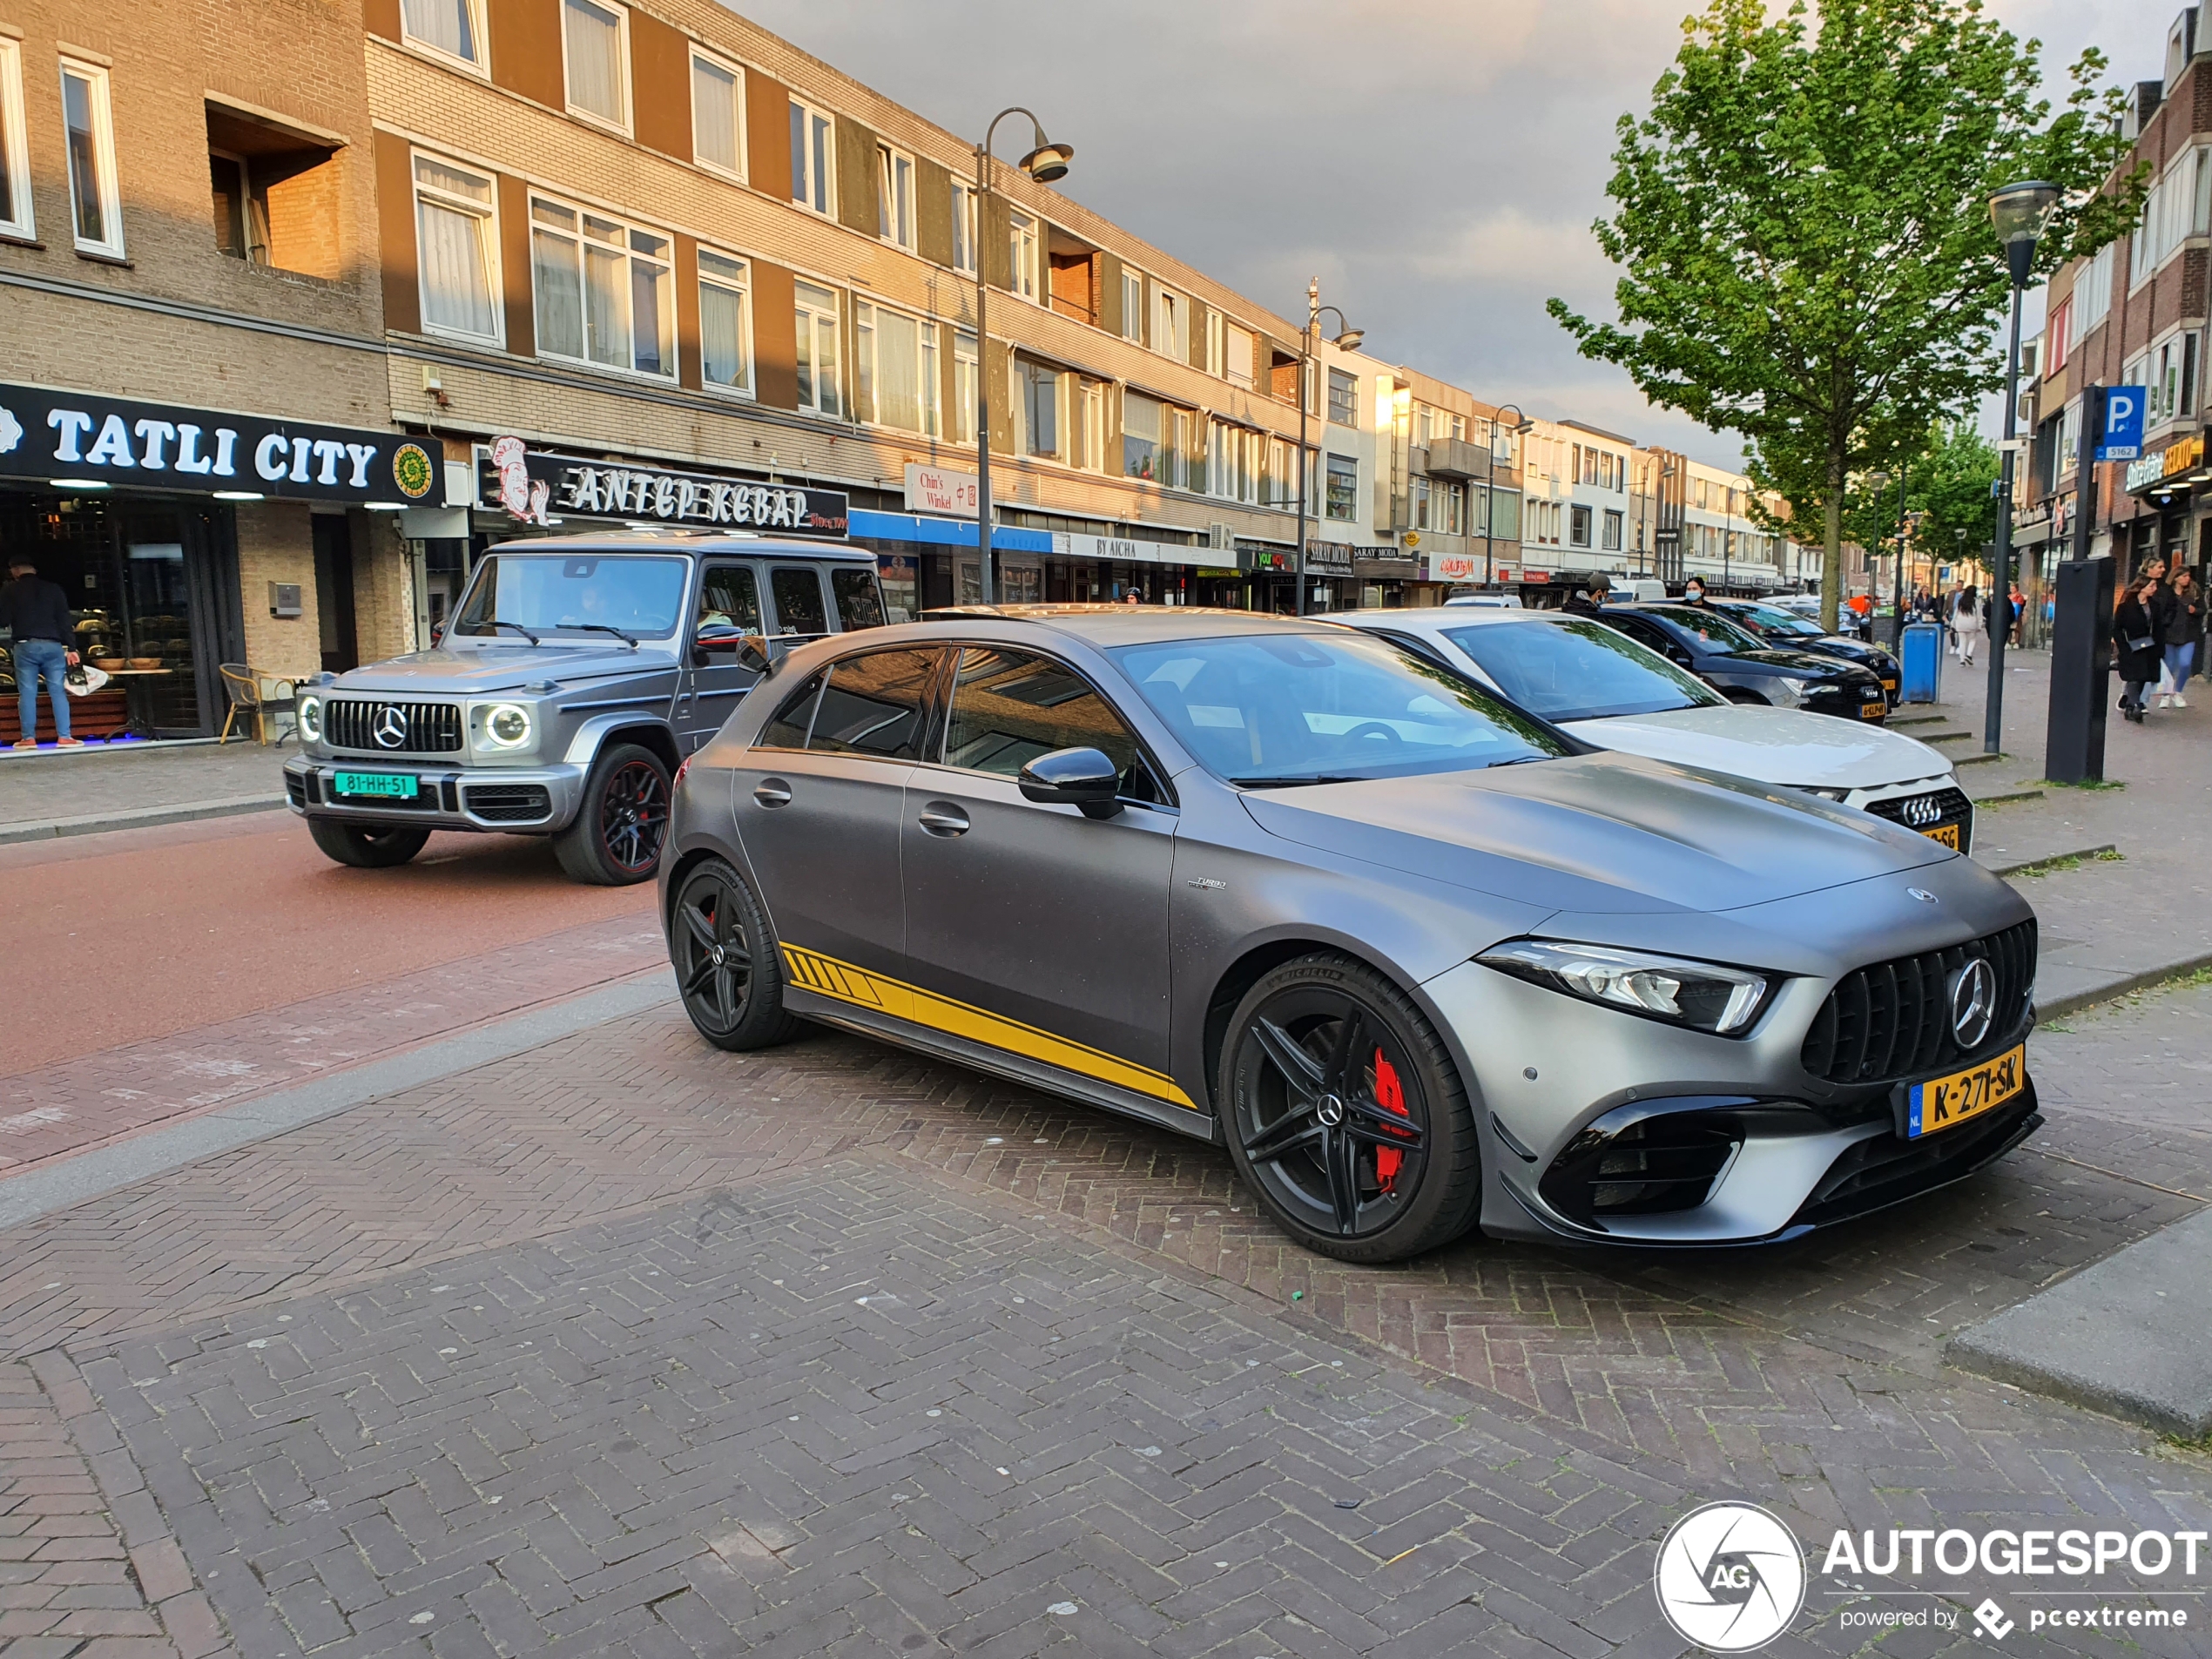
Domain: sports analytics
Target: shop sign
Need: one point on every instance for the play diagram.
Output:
(1455, 567)
(1118, 550)
(2140, 475)
(1328, 558)
(47, 435)
(2184, 456)
(941, 491)
(532, 486)
(1385, 556)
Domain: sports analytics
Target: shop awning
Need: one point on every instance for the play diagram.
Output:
(869, 525)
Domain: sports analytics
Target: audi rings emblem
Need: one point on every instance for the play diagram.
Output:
(1922, 811)
(1973, 1002)
(390, 731)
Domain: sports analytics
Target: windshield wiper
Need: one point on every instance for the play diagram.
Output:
(599, 628)
(501, 622)
(1297, 782)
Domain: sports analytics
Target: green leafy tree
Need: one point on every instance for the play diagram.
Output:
(1950, 476)
(1803, 230)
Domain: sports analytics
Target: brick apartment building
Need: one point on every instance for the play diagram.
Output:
(188, 257)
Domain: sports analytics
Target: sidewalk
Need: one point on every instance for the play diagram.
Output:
(87, 791)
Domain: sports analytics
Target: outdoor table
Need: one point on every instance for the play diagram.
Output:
(138, 693)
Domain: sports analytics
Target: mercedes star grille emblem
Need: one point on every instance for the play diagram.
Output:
(391, 727)
(1922, 811)
(1973, 1002)
(1923, 895)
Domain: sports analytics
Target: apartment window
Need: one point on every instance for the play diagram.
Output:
(1344, 398)
(1340, 499)
(2057, 337)
(1132, 306)
(241, 234)
(605, 291)
(1216, 345)
(1037, 401)
(14, 163)
(458, 250)
(726, 321)
(1021, 250)
(963, 227)
(1232, 463)
(1170, 325)
(90, 129)
(2091, 296)
(2188, 373)
(813, 159)
(451, 27)
(894, 369)
(1579, 527)
(1088, 415)
(964, 382)
(1613, 523)
(818, 357)
(1453, 498)
(1144, 453)
(595, 38)
(1422, 487)
(895, 196)
(718, 116)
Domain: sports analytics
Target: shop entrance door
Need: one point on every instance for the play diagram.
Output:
(334, 592)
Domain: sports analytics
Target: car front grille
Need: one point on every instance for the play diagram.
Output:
(430, 728)
(509, 803)
(1892, 1020)
(1931, 811)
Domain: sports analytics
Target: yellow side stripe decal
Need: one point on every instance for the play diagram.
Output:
(827, 977)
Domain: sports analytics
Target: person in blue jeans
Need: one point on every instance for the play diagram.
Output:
(36, 613)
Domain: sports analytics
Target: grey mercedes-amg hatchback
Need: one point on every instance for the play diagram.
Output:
(1420, 961)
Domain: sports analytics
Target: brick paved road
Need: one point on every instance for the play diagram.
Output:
(628, 1197)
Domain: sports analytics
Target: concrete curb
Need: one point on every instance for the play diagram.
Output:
(2120, 985)
(139, 818)
(2006, 800)
(157, 1151)
(2026, 866)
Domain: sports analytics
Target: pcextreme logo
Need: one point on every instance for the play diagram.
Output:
(1730, 1577)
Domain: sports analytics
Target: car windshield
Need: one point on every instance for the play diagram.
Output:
(1720, 631)
(1768, 620)
(581, 595)
(1282, 709)
(1578, 669)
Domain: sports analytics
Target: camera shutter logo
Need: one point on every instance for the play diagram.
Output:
(1730, 1577)
(391, 727)
(1973, 1002)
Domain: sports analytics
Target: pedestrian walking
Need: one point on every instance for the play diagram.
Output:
(2177, 616)
(36, 613)
(1966, 622)
(1596, 591)
(2135, 645)
(2020, 610)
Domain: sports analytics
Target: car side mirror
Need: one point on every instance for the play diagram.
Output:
(1084, 778)
(716, 639)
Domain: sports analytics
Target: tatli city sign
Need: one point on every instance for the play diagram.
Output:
(536, 485)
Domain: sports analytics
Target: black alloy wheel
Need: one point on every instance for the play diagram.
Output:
(728, 966)
(368, 846)
(1346, 1114)
(620, 828)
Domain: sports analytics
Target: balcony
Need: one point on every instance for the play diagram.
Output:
(1456, 458)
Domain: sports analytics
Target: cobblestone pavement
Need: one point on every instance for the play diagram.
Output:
(597, 1229)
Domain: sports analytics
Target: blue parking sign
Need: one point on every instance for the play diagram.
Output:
(2121, 437)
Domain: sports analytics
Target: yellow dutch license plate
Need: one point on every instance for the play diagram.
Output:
(1946, 1102)
(1873, 710)
(1946, 833)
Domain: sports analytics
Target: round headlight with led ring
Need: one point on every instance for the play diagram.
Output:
(310, 718)
(506, 725)
(1705, 996)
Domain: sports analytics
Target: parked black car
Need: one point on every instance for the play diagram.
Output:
(1724, 651)
(1794, 632)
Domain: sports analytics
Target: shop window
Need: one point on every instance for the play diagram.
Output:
(605, 291)
(596, 39)
(814, 159)
(274, 193)
(89, 128)
(965, 385)
(1022, 254)
(458, 249)
(451, 28)
(726, 321)
(819, 386)
(1341, 498)
(963, 227)
(894, 369)
(15, 161)
(717, 116)
(894, 197)
(1344, 398)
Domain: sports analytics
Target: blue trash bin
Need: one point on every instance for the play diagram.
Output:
(1921, 667)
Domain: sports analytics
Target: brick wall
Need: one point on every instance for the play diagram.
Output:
(276, 543)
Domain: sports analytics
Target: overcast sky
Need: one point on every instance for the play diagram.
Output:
(1436, 163)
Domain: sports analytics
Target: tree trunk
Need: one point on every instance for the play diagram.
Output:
(1831, 540)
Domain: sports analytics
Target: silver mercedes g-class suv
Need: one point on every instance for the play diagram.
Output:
(574, 678)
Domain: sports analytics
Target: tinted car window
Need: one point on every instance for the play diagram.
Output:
(798, 600)
(558, 593)
(1579, 670)
(788, 730)
(1718, 633)
(730, 596)
(1294, 708)
(874, 704)
(859, 604)
(1773, 622)
(1008, 707)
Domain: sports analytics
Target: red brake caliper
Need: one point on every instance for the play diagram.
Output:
(1391, 1096)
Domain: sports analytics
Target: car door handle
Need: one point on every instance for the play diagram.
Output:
(771, 792)
(942, 818)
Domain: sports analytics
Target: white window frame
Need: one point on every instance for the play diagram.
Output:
(1216, 345)
(721, 66)
(1133, 304)
(894, 202)
(1024, 249)
(2092, 297)
(967, 367)
(631, 254)
(1170, 330)
(825, 186)
(741, 285)
(964, 243)
(14, 144)
(1232, 332)
(1614, 530)
(1018, 405)
(486, 212)
(622, 68)
(832, 314)
(1328, 469)
(101, 109)
(480, 66)
(1089, 410)
(867, 343)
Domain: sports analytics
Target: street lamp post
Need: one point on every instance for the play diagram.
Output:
(1047, 163)
(1347, 339)
(1521, 424)
(2019, 212)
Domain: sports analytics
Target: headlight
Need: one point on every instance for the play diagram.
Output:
(1702, 996)
(310, 718)
(1831, 794)
(1792, 692)
(506, 725)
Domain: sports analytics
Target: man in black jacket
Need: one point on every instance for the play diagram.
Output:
(36, 613)
(1598, 590)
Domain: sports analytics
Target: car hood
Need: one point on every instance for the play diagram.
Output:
(1786, 659)
(1773, 746)
(1599, 832)
(496, 668)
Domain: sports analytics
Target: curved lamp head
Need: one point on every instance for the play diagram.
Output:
(1349, 339)
(1047, 163)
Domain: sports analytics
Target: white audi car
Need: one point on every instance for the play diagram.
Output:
(1609, 691)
